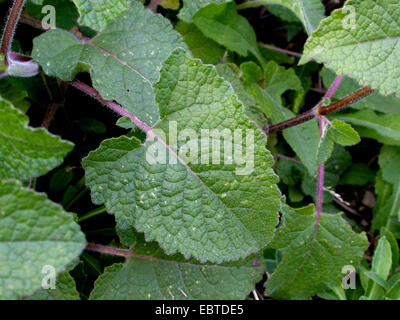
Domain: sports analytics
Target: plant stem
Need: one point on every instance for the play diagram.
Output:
(50, 112)
(154, 4)
(9, 29)
(321, 169)
(291, 53)
(92, 213)
(112, 105)
(321, 110)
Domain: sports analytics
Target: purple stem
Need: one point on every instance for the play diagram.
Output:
(112, 105)
(291, 53)
(321, 169)
(9, 29)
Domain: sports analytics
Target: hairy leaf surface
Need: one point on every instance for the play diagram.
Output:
(35, 234)
(313, 257)
(124, 60)
(153, 275)
(361, 40)
(192, 205)
(26, 152)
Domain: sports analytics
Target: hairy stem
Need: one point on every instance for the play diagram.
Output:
(321, 110)
(9, 29)
(112, 105)
(154, 4)
(321, 169)
(291, 53)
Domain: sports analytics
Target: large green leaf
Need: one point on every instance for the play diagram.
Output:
(361, 40)
(151, 274)
(313, 253)
(223, 24)
(310, 12)
(124, 60)
(196, 206)
(26, 152)
(34, 233)
(96, 14)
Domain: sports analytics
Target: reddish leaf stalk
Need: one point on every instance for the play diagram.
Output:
(112, 105)
(288, 52)
(9, 29)
(154, 4)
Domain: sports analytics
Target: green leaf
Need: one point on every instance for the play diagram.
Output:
(310, 12)
(387, 187)
(375, 101)
(344, 134)
(361, 40)
(124, 60)
(65, 290)
(313, 257)
(394, 247)
(97, 14)
(223, 24)
(190, 7)
(384, 128)
(325, 146)
(26, 152)
(35, 233)
(201, 47)
(66, 12)
(151, 274)
(359, 174)
(277, 81)
(196, 206)
(381, 265)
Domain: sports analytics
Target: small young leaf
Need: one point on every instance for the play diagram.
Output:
(384, 128)
(344, 134)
